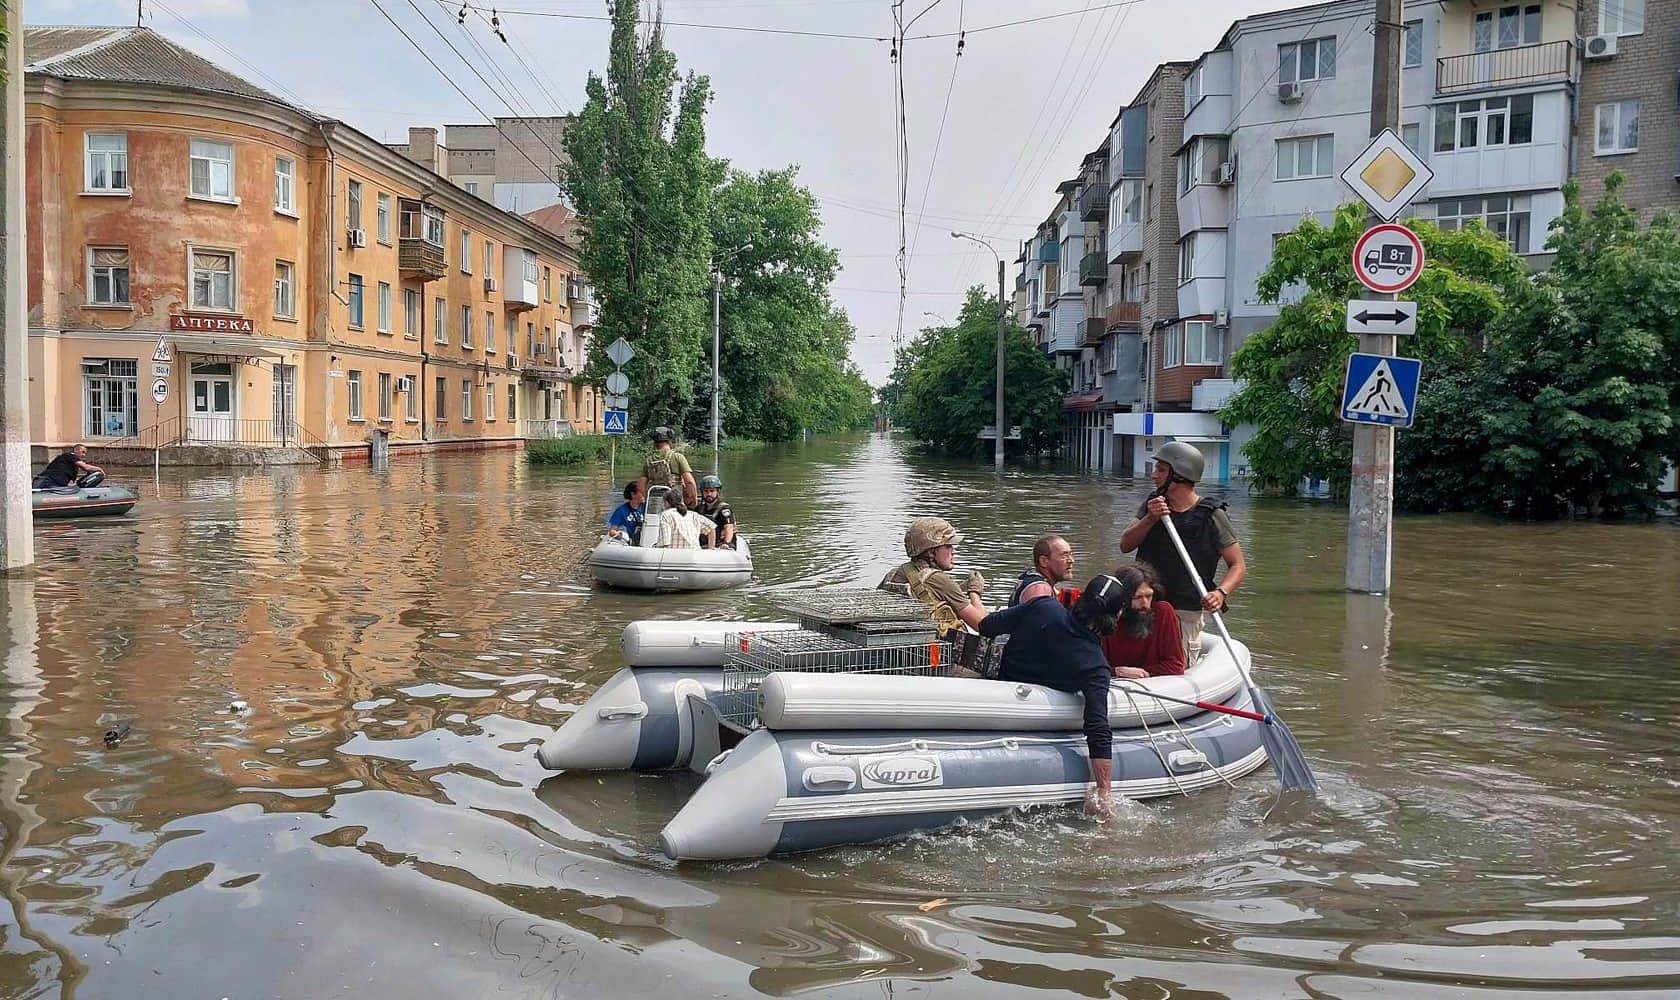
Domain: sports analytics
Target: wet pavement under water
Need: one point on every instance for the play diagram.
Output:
(1496, 742)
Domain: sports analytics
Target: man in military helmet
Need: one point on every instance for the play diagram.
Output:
(1206, 531)
(931, 545)
(713, 506)
(666, 466)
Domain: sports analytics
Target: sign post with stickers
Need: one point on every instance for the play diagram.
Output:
(615, 419)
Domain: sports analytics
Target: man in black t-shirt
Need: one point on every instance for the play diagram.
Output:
(711, 505)
(67, 468)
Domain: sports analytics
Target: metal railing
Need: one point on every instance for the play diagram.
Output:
(1093, 267)
(259, 432)
(541, 430)
(1093, 204)
(1553, 62)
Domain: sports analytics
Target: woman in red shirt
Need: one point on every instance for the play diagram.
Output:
(1147, 641)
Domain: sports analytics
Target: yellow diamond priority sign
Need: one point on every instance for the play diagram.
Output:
(1387, 175)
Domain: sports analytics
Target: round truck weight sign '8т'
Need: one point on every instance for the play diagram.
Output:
(1388, 258)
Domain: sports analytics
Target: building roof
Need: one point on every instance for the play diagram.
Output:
(557, 219)
(130, 55)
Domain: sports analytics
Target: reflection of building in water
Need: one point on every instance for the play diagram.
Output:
(220, 271)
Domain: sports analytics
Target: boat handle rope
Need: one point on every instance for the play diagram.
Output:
(620, 713)
(1006, 742)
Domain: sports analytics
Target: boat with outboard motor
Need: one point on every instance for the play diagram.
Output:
(89, 497)
(647, 565)
(811, 737)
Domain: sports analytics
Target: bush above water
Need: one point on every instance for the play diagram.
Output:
(574, 450)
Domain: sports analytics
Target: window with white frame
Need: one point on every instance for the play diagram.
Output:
(212, 169)
(353, 206)
(411, 314)
(1301, 62)
(1202, 343)
(1187, 258)
(1172, 348)
(107, 276)
(1200, 162)
(513, 402)
(489, 331)
(1496, 121)
(354, 297)
(285, 184)
(548, 288)
(213, 279)
(411, 402)
(1414, 43)
(384, 307)
(489, 259)
(1618, 128)
(106, 166)
(1309, 156)
(285, 302)
(490, 402)
(466, 327)
(512, 330)
(1506, 215)
(466, 251)
(383, 217)
(353, 380)
(384, 396)
(472, 187)
(440, 333)
(1621, 17)
(110, 393)
(1131, 202)
(1412, 136)
(530, 269)
(466, 399)
(1510, 27)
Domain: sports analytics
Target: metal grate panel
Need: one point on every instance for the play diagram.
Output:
(851, 607)
(753, 657)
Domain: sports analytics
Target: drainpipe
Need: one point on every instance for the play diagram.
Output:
(332, 215)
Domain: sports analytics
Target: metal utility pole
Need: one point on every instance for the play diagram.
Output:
(997, 443)
(1371, 498)
(17, 529)
(717, 283)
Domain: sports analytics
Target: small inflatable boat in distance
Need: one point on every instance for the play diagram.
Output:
(90, 497)
(648, 566)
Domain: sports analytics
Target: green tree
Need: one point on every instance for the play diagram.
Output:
(638, 174)
(942, 387)
(1292, 371)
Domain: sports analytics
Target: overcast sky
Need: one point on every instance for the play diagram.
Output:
(1028, 101)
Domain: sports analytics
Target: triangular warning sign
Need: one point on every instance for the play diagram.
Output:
(1379, 396)
(164, 351)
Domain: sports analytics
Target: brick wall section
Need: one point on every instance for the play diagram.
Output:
(1165, 96)
(1644, 67)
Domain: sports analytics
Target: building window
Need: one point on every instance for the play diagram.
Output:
(466, 251)
(1618, 128)
(1187, 258)
(384, 396)
(1200, 163)
(1202, 344)
(420, 222)
(383, 217)
(106, 166)
(472, 187)
(442, 386)
(440, 334)
(1515, 26)
(108, 276)
(466, 327)
(1505, 215)
(285, 185)
(283, 400)
(285, 304)
(1414, 43)
(384, 307)
(212, 279)
(490, 403)
(489, 331)
(353, 206)
(1621, 17)
(1412, 136)
(466, 399)
(530, 270)
(1497, 121)
(1131, 202)
(532, 344)
(1300, 62)
(354, 381)
(411, 314)
(411, 402)
(110, 389)
(1172, 348)
(513, 402)
(212, 169)
(355, 301)
(548, 288)
(1149, 202)
(489, 259)
(512, 329)
(1308, 157)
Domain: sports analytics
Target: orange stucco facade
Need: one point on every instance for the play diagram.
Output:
(223, 227)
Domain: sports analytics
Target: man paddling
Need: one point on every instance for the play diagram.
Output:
(70, 466)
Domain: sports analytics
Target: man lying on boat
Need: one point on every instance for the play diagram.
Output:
(625, 522)
(1147, 642)
(1061, 647)
(69, 467)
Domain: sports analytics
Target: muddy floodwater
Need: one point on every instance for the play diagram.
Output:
(334, 682)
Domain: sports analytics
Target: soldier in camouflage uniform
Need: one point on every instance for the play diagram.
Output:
(931, 545)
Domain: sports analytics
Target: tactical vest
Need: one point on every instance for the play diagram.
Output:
(1028, 578)
(1201, 539)
(659, 470)
(945, 620)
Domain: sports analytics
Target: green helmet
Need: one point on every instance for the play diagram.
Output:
(929, 533)
(711, 483)
(1185, 459)
(662, 434)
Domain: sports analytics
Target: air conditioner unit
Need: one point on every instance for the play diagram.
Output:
(489, 284)
(1222, 317)
(356, 238)
(405, 383)
(1228, 172)
(1289, 93)
(1599, 47)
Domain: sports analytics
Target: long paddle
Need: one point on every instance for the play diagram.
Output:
(1207, 706)
(1281, 748)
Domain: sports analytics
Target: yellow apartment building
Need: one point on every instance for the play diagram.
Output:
(225, 276)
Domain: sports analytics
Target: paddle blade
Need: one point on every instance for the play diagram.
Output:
(1281, 749)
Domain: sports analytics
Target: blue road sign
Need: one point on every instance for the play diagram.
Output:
(1380, 390)
(615, 421)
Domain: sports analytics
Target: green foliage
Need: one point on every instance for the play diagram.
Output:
(1292, 371)
(574, 450)
(942, 387)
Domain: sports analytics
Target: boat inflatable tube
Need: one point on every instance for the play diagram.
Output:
(790, 701)
(84, 501)
(639, 720)
(656, 643)
(641, 567)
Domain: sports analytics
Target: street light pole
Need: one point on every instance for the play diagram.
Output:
(717, 282)
(997, 443)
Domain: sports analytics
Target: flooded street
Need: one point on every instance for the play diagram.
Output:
(1497, 746)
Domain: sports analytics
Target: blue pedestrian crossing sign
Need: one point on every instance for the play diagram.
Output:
(615, 421)
(1380, 390)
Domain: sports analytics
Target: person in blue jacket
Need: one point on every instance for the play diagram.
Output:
(625, 521)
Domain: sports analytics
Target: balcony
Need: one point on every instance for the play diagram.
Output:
(1095, 329)
(519, 279)
(1093, 204)
(1124, 316)
(1525, 65)
(1210, 395)
(1093, 268)
(420, 259)
(1049, 252)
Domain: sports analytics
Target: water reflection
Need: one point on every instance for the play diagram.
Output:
(1496, 742)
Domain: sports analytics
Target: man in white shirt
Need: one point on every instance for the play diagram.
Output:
(681, 528)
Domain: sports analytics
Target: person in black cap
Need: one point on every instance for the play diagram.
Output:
(1061, 647)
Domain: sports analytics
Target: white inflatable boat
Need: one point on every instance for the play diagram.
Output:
(803, 757)
(649, 567)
